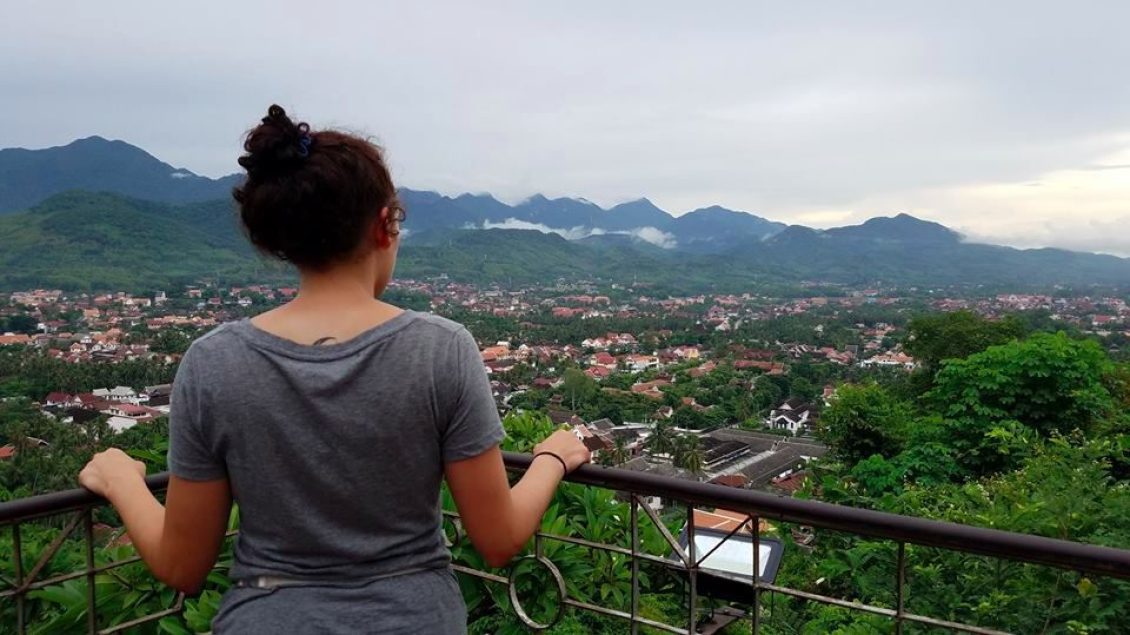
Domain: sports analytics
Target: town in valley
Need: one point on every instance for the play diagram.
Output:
(720, 388)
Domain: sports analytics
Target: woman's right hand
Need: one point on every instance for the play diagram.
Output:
(566, 445)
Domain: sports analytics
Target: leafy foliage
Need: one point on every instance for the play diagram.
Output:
(995, 402)
(1028, 435)
(864, 420)
(936, 337)
(1047, 383)
(687, 453)
(101, 241)
(32, 374)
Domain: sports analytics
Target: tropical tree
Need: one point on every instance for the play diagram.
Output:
(662, 438)
(617, 454)
(932, 339)
(995, 404)
(1047, 382)
(688, 418)
(863, 420)
(577, 387)
(959, 334)
(687, 453)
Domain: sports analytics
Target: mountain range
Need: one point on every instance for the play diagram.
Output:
(28, 177)
(96, 164)
(98, 214)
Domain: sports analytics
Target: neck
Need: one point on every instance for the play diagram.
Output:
(341, 287)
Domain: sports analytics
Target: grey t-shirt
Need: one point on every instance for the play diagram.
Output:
(334, 453)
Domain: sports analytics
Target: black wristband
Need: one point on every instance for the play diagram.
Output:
(564, 466)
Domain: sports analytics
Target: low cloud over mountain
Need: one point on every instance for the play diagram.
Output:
(651, 235)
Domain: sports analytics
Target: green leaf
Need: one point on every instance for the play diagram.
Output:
(1086, 587)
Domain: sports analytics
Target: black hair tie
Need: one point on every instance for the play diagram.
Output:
(564, 465)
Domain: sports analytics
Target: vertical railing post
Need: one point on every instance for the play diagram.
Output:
(18, 554)
(755, 529)
(91, 611)
(900, 591)
(692, 572)
(635, 515)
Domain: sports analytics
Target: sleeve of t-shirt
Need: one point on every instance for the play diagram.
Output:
(473, 426)
(191, 451)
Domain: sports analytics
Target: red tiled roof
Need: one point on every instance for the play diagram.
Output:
(792, 482)
(730, 480)
(131, 410)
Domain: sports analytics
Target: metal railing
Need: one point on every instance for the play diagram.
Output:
(78, 507)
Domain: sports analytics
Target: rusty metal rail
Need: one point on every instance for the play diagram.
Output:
(682, 558)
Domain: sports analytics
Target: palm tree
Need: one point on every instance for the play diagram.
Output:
(619, 452)
(661, 440)
(687, 453)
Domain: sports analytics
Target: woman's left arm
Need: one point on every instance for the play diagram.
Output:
(178, 541)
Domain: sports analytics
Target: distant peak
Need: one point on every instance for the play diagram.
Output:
(903, 217)
(95, 163)
(800, 230)
(639, 205)
(902, 226)
(643, 201)
(95, 140)
(715, 210)
(99, 144)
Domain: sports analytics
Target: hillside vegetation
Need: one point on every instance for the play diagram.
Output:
(102, 241)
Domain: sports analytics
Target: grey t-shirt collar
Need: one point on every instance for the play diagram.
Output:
(263, 339)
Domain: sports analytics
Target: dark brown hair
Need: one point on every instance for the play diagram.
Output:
(310, 196)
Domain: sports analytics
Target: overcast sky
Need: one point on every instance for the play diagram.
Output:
(1009, 121)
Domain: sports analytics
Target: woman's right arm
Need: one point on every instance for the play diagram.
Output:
(500, 519)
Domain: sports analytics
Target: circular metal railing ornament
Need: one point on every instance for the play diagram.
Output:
(513, 591)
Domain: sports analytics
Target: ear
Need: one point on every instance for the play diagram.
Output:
(380, 231)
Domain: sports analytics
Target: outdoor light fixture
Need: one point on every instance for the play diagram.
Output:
(726, 571)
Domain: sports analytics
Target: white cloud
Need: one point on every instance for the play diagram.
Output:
(852, 111)
(574, 233)
(652, 235)
(1082, 209)
(1108, 237)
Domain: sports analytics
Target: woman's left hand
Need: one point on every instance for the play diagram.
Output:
(109, 467)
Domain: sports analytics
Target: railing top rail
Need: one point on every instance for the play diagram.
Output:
(1107, 561)
(32, 507)
(1064, 554)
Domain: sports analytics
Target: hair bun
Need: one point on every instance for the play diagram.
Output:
(276, 146)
